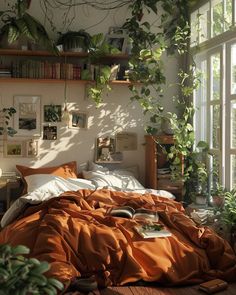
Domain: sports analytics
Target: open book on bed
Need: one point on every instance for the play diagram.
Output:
(148, 231)
(129, 212)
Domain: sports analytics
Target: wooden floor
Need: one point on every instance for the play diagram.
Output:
(193, 290)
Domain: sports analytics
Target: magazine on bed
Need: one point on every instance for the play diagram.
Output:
(129, 212)
(148, 231)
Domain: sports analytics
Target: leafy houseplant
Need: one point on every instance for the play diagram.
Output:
(18, 23)
(24, 276)
(218, 193)
(75, 41)
(7, 113)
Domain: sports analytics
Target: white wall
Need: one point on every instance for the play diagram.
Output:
(116, 114)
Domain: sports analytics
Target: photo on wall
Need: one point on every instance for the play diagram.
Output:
(105, 151)
(78, 120)
(31, 148)
(27, 117)
(14, 149)
(52, 113)
(49, 132)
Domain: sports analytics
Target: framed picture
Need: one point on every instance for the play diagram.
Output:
(52, 113)
(106, 151)
(49, 132)
(78, 120)
(118, 41)
(27, 117)
(31, 148)
(14, 149)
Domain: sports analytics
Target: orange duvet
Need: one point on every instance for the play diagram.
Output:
(76, 235)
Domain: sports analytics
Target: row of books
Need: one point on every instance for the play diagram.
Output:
(45, 70)
(36, 69)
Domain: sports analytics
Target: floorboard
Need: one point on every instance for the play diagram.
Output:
(137, 290)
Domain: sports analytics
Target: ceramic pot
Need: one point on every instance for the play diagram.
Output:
(201, 200)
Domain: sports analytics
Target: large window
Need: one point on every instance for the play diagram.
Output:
(215, 99)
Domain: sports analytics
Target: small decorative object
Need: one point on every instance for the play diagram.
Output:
(52, 113)
(14, 149)
(106, 151)
(114, 72)
(49, 132)
(32, 148)
(78, 119)
(166, 126)
(27, 117)
(118, 41)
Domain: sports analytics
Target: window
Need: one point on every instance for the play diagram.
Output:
(215, 99)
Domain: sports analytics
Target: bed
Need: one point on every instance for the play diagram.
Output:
(64, 220)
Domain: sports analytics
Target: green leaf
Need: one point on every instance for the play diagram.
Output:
(56, 283)
(20, 249)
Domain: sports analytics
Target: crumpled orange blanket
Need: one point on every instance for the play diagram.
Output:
(76, 235)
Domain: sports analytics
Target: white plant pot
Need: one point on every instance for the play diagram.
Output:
(201, 200)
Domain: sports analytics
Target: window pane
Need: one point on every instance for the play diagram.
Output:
(215, 76)
(233, 171)
(233, 69)
(233, 124)
(200, 102)
(203, 22)
(217, 17)
(228, 15)
(194, 28)
(215, 175)
(215, 126)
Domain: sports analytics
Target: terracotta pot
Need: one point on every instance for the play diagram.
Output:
(218, 201)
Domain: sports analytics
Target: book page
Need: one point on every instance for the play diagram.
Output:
(152, 232)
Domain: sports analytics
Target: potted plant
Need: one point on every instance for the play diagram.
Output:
(18, 24)
(75, 41)
(21, 275)
(218, 195)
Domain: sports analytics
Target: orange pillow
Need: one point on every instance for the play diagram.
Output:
(67, 170)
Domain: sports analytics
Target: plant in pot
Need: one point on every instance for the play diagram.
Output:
(19, 25)
(23, 276)
(218, 195)
(75, 41)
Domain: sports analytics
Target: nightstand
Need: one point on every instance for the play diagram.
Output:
(9, 183)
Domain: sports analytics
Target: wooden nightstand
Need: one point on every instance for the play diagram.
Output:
(9, 183)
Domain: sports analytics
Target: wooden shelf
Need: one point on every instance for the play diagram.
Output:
(60, 81)
(155, 159)
(17, 52)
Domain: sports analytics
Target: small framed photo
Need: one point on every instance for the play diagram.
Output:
(106, 151)
(78, 120)
(27, 117)
(52, 113)
(14, 149)
(31, 148)
(118, 41)
(49, 132)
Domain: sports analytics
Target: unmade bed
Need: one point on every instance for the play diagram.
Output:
(66, 222)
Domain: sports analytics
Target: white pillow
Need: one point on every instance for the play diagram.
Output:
(120, 181)
(55, 184)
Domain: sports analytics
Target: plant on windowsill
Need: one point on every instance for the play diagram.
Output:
(21, 275)
(218, 193)
(19, 25)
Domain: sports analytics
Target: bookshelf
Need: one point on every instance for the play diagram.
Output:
(42, 66)
(157, 172)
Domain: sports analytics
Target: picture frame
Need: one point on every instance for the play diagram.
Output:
(105, 151)
(49, 132)
(78, 119)
(52, 113)
(118, 41)
(14, 149)
(27, 119)
(31, 148)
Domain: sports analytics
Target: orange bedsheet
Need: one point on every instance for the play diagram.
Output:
(74, 233)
